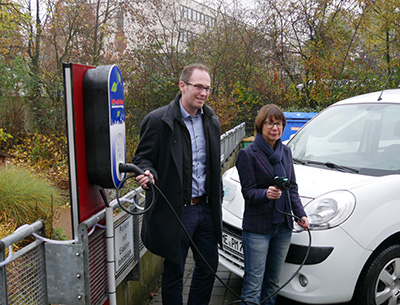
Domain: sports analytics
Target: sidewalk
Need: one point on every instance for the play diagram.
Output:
(220, 294)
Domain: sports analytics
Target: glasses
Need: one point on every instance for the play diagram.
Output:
(199, 87)
(270, 125)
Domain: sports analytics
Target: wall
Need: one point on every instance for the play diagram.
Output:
(138, 292)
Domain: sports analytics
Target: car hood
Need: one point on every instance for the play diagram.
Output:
(312, 182)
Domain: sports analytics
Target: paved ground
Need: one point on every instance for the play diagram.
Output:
(221, 295)
(63, 221)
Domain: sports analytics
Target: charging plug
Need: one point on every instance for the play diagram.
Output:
(282, 183)
(130, 168)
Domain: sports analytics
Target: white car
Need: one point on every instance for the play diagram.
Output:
(347, 165)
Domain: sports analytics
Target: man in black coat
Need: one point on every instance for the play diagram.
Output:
(179, 150)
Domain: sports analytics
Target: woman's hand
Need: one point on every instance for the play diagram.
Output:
(273, 193)
(304, 223)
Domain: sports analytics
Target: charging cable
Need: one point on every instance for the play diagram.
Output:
(280, 182)
(137, 171)
(283, 184)
(132, 168)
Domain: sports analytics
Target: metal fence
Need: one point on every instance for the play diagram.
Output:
(230, 141)
(75, 272)
(22, 274)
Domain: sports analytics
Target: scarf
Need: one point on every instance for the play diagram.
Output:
(275, 156)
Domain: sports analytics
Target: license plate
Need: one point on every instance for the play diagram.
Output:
(232, 242)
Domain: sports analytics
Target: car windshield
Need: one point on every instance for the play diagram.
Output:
(359, 138)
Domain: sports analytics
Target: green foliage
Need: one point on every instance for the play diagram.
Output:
(146, 88)
(60, 232)
(14, 80)
(14, 76)
(25, 198)
(248, 104)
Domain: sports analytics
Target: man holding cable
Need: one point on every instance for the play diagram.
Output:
(179, 151)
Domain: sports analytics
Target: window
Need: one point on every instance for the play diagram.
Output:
(196, 16)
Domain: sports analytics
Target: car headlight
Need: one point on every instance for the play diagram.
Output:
(329, 210)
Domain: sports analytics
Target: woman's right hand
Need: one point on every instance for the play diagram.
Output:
(273, 193)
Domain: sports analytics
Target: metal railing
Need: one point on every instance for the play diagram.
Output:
(75, 272)
(230, 141)
(22, 279)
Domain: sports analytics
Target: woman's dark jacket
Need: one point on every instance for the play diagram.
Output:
(256, 175)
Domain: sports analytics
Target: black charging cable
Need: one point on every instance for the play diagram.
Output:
(283, 184)
(305, 256)
(280, 182)
(138, 171)
(196, 249)
(132, 168)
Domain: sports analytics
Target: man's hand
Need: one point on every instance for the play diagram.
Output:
(143, 180)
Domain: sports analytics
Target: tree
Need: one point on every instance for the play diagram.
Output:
(14, 78)
(75, 31)
(11, 43)
(34, 30)
(153, 59)
(380, 41)
(305, 53)
(235, 52)
(313, 41)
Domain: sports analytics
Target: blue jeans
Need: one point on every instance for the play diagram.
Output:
(199, 223)
(264, 255)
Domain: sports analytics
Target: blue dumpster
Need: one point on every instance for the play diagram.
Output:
(294, 121)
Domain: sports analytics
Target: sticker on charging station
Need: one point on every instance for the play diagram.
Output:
(117, 122)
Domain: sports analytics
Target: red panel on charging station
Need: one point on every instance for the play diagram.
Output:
(89, 200)
(86, 199)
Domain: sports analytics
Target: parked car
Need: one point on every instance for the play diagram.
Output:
(347, 165)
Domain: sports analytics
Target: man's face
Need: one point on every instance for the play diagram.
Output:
(194, 92)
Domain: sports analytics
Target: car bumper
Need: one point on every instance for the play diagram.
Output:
(330, 271)
(331, 280)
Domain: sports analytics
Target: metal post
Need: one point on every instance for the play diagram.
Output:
(3, 276)
(110, 255)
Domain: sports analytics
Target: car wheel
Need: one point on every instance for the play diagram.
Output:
(379, 284)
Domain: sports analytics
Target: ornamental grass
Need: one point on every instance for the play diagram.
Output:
(25, 198)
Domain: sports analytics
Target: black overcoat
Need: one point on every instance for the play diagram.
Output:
(160, 150)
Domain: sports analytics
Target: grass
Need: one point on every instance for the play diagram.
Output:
(24, 198)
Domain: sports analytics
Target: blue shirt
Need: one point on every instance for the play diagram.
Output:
(198, 141)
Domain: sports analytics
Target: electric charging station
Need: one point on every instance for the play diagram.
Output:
(96, 145)
(96, 135)
(104, 125)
